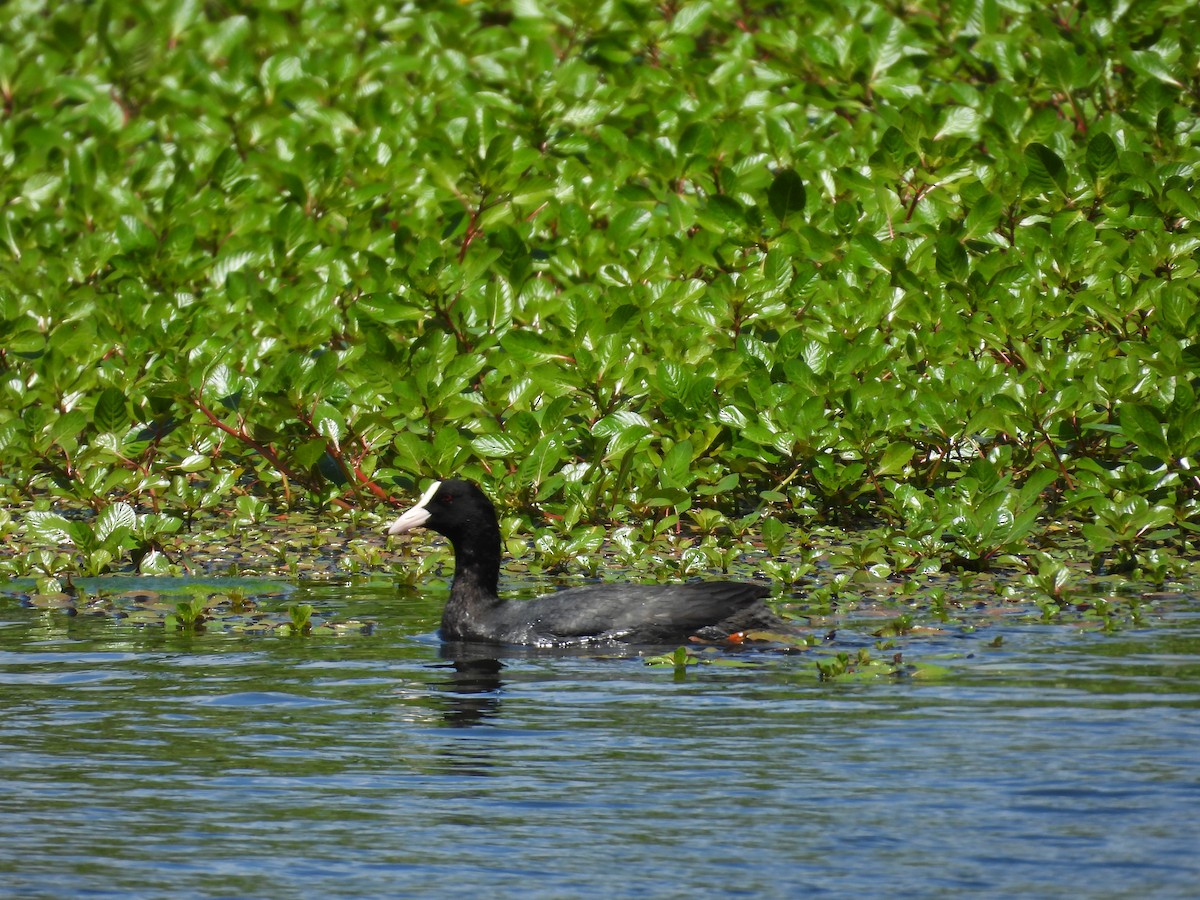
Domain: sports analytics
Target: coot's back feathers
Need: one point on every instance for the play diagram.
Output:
(628, 613)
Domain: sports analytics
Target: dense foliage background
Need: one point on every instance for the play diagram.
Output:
(931, 265)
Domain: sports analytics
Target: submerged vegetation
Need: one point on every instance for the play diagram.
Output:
(731, 278)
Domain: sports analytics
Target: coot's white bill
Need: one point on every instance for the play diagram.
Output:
(417, 516)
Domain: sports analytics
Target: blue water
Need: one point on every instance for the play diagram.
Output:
(141, 764)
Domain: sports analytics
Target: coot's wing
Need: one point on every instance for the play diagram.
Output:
(633, 613)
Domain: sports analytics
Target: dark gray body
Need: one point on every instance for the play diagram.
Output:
(596, 613)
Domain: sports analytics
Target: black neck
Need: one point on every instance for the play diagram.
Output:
(477, 558)
(474, 591)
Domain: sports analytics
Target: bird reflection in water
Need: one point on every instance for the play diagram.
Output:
(470, 691)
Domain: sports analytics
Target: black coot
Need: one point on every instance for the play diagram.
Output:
(626, 613)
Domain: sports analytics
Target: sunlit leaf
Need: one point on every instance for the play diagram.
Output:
(114, 516)
(50, 527)
(497, 445)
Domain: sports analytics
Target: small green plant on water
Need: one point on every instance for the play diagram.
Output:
(414, 569)
(1155, 566)
(774, 535)
(46, 564)
(938, 605)
(975, 521)
(627, 551)
(250, 510)
(690, 562)
(552, 554)
(720, 554)
(239, 602)
(840, 664)
(115, 535)
(1048, 577)
(188, 615)
(1124, 531)
(1106, 613)
(707, 521)
(787, 573)
(862, 666)
(901, 625)
(678, 659)
(865, 554)
(300, 624)
(820, 601)
(1051, 610)
(365, 557)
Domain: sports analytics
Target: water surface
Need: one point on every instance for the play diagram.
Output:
(144, 764)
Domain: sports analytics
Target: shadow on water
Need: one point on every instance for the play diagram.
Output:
(472, 687)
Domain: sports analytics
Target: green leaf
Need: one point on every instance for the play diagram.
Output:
(845, 214)
(1035, 483)
(389, 308)
(672, 379)
(25, 340)
(545, 458)
(778, 271)
(1046, 168)
(154, 563)
(529, 348)
(774, 533)
(786, 195)
(40, 187)
(329, 423)
(627, 225)
(198, 462)
(49, 527)
(309, 453)
(12, 435)
(183, 14)
(960, 121)
(895, 458)
(413, 454)
(111, 414)
(697, 139)
(1142, 427)
(67, 428)
(112, 517)
(952, 261)
(1101, 156)
(500, 446)
(676, 466)
(726, 211)
(133, 234)
(228, 265)
(624, 431)
(983, 217)
(226, 169)
(82, 536)
(1154, 64)
(690, 17)
(724, 486)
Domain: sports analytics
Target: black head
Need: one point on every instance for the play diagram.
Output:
(454, 508)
